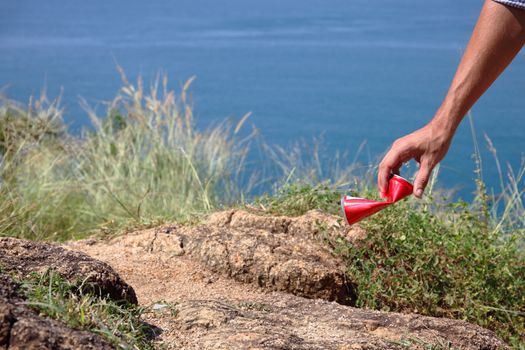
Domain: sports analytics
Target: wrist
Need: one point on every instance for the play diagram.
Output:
(446, 120)
(443, 127)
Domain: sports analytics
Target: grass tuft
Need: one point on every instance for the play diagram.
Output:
(61, 300)
(297, 198)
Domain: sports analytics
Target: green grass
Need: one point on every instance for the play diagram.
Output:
(143, 162)
(297, 198)
(120, 324)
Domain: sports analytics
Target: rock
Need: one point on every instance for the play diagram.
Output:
(303, 324)
(277, 252)
(22, 327)
(273, 258)
(314, 224)
(22, 257)
(274, 261)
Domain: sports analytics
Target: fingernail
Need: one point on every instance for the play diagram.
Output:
(419, 192)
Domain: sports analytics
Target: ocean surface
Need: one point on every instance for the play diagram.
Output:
(352, 70)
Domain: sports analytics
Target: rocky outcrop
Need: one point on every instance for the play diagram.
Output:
(300, 324)
(22, 328)
(203, 310)
(315, 224)
(274, 261)
(22, 257)
(277, 254)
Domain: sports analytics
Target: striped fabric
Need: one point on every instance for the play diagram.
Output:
(514, 3)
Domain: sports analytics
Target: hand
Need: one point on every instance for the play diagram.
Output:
(428, 146)
(498, 37)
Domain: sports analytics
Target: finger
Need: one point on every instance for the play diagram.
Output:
(383, 175)
(396, 170)
(422, 177)
(390, 163)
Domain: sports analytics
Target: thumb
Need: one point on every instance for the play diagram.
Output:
(422, 178)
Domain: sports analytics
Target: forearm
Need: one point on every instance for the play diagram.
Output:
(497, 38)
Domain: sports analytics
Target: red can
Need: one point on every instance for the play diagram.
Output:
(355, 209)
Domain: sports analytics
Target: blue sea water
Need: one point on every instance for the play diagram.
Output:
(352, 70)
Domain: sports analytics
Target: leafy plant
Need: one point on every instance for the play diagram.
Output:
(452, 266)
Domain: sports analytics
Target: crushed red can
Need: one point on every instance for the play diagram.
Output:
(356, 209)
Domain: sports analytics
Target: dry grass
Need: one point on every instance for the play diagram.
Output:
(142, 162)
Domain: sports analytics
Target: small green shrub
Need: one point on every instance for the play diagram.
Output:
(413, 261)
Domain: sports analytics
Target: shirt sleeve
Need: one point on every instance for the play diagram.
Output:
(514, 3)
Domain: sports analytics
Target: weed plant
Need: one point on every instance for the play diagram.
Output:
(297, 198)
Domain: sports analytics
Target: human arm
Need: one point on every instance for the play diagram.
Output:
(498, 36)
